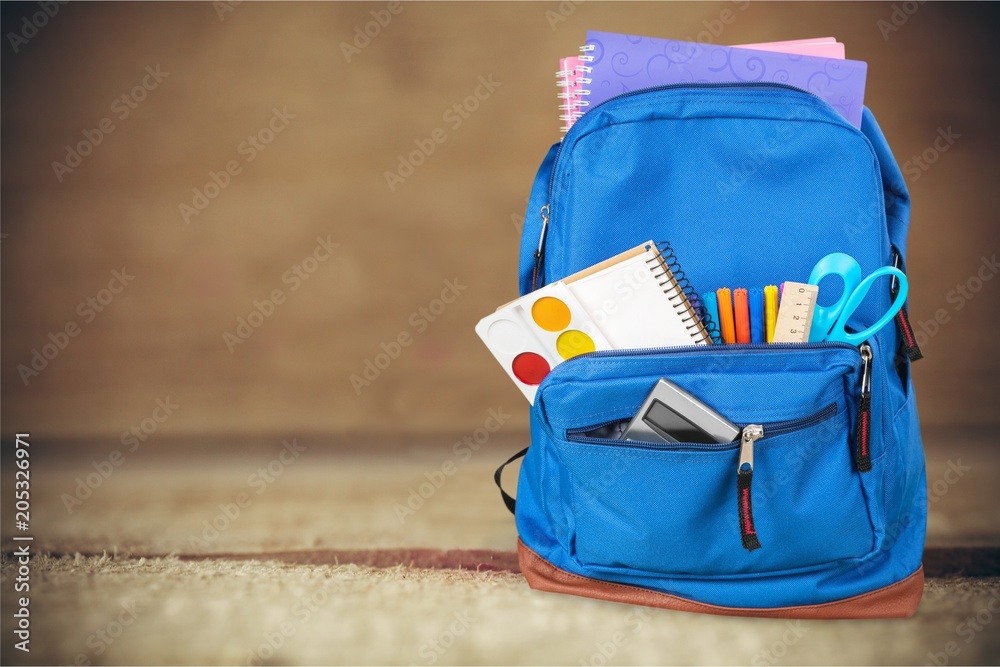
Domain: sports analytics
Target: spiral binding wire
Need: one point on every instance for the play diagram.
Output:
(573, 105)
(667, 270)
(564, 79)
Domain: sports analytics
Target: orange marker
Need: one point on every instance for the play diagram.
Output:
(741, 308)
(726, 326)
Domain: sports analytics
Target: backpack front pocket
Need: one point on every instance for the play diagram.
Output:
(682, 509)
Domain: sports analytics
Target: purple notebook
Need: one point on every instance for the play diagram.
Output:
(622, 63)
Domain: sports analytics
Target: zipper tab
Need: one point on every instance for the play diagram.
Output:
(539, 252)
(862, 437)
(910, 346)
(744, 481)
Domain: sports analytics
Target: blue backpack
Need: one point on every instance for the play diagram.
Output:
(750, 184)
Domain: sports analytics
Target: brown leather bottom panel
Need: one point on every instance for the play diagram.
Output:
(898, 600)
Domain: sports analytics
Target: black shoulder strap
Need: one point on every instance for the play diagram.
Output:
(510, 502)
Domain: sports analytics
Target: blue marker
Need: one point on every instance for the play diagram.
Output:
(756, 296)
(711, 303)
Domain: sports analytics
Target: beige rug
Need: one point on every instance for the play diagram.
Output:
(289, 579)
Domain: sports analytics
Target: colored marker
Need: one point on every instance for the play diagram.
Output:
(757, 327)
(726, 325)
(770, 311)
(741, 312)
(711, 301)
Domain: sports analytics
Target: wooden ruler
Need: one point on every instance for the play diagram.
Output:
(795, 313)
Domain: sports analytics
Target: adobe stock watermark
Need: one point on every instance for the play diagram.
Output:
(121, 108)
(299, 614)
(30, 25)
(792, 635)
(562, 12)
(433, 649)
(898, 17)
(131, 441)
(419, 321)
(263, 309)
(939, 488)
(454, 117)
(462, 451)
(248, 150)
(606, 649)
(517, 218)
(957, 298)
(713, 28)
(918, 164)
(102, 638)
(968, 630)
(258, 482)
(364, 34)
(739, 173)
(225, 7)
(88, 310)
(936, 491)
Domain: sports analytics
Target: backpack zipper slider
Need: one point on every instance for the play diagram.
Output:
(862, 437)
(744, 480)
(866, 369)
(751, 434)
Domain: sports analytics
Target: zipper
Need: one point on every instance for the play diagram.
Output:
(773, 429)
(696, 350)
(545, 211)
(862, 437)
(536, 274)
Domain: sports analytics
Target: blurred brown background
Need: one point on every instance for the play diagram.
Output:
(223, 70)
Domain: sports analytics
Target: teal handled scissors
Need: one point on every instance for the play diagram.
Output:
(830, 322)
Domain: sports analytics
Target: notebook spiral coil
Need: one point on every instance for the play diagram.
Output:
(671, 278)
(571, 80)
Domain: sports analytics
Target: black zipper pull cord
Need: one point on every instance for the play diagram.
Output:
(910, 346)
(863, 434)
(906, 334)
(744, 483)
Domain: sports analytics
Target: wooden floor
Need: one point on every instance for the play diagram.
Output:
(228, 554)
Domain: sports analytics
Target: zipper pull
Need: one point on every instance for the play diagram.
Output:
(539, 252)
(744, 480)
(862, 438)
(909, 339)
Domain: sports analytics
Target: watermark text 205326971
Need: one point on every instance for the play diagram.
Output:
(22, 554)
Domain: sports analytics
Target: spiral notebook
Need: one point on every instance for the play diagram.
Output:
(610, 64)
(622, 63)
(569, 78)
(638, 299)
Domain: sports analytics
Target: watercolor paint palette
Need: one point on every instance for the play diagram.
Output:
(532, 335)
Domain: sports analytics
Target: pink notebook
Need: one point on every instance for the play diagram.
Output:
(822, 47)
(568, 79)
